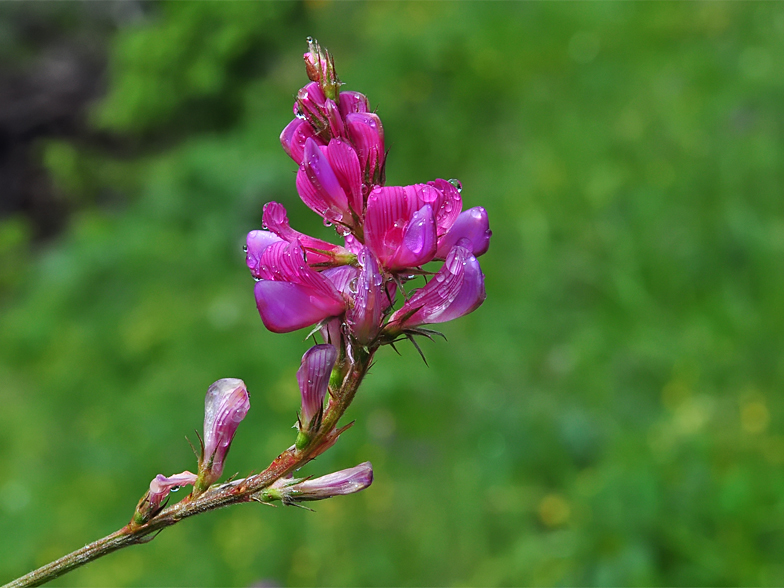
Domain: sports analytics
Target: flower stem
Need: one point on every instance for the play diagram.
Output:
(217, 496)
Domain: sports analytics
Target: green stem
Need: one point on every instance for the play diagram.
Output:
(217, 496)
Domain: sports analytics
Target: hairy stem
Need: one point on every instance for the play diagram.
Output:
(217, 496)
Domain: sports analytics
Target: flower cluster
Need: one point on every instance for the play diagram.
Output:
(388, 232)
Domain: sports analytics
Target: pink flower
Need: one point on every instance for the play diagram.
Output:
(457, 289)
(400, 228)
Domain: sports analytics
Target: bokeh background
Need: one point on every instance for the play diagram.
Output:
(612, 415)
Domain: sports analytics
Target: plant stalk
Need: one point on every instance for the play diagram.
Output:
(219, 495)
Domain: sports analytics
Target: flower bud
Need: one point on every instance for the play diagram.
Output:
(320, 67)
(291, 491)
(313, 379)
(225, 405)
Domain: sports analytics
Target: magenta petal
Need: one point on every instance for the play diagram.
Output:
(386, 215)
(334, 120)
(370, 301)
(317, 250)
(343, 278)
(352, 102)
(294, 136)
(472, 224)
(448, 206)
(286, 307)
(418, 245)
(399, 234)
(257, 242)
(457, 289)
(367, 135)
(343, 161)
(313, 378)
(290, 295)
(318, 186)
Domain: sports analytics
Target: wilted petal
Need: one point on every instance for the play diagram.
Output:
(161, 486)
(313, 379)
(226, 404)
(457, 289)
(472, 224)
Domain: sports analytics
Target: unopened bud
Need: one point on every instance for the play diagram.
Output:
(313, 378)
(292, 491)
(320, 67)
(225, 405)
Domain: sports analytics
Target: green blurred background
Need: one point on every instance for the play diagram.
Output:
(612, 415)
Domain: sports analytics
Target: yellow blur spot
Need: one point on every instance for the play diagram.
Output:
(554, 510)
(674, 393)
(754, 417)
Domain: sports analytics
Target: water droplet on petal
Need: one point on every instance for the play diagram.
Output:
(327, 222)
(456, 184)
(244, 248)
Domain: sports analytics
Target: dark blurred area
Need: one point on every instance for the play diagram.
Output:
(612, 415)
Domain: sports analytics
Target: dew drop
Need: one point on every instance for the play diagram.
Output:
(456, 184)
(244, 248)
(327, 222)
(174, 488)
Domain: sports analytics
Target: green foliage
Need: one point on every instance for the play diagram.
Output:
(611, 416)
